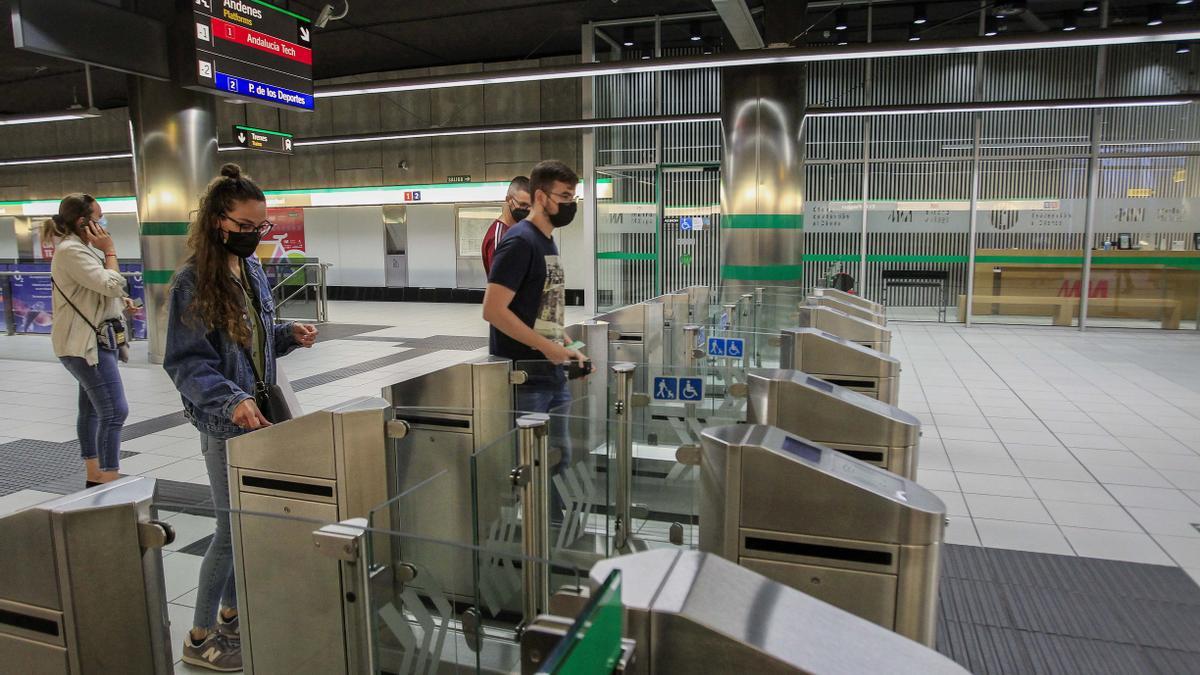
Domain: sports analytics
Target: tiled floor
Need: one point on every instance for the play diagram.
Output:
(1037, 438)
(1051, 440)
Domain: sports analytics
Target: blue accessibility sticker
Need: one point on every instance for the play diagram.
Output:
(666, 389)
(735, 347)
(716, 346)
(691, 389)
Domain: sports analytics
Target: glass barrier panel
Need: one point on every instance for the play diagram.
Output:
(593, 645)
(422, 587)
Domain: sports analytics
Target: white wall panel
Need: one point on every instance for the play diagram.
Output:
(322, 240)
(431, 246)
(362, 246)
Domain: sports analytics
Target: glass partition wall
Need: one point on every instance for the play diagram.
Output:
(1031, 214)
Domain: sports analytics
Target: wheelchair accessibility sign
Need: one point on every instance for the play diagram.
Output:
(731, 347)
(688, 389)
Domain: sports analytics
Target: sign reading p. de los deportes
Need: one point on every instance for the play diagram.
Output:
(250, 49)
(266, 140)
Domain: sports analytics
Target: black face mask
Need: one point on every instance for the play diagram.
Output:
(519, 214)
(241, 244)
(566, 213)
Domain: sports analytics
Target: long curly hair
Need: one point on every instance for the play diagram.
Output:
(218, 303)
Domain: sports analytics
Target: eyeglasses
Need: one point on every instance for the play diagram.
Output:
(564, 197)
(245, 226)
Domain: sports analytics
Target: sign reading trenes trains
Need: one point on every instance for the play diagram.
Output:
(252, 49)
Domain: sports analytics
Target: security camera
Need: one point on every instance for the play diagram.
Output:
(326, 15)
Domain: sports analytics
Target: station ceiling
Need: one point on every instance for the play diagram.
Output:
(385, 35)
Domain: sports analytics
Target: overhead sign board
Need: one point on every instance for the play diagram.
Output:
(266, 140)
(251, 49)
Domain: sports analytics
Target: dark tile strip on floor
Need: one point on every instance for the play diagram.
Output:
(357, 369)
(1003, 611)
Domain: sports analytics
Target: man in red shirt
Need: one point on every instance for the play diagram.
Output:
(516, 209)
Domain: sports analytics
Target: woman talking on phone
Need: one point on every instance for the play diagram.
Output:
(88, 333)
(222, 341)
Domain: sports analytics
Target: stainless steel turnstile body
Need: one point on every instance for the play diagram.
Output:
(692, 612)
(323, 467)
(81, 584)
(841, 362)
(453, 413)
(849, 299)
(852, 310)
(841, 530)
(843, 325)
(845, 420)
(636, 335)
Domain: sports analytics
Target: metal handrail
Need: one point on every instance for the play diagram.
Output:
(322, 290)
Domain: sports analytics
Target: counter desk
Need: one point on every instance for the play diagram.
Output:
(1134, 284)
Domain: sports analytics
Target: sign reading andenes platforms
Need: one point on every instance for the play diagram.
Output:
(251, 49)
(266, 140)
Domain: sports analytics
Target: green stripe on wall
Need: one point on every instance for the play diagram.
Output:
(152, 228)
(157, 276)
(762, 221)
(771, 272)
(621, 255)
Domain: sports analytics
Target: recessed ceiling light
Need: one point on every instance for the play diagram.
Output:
(841, 20)
(919, 15)
(1154, 17)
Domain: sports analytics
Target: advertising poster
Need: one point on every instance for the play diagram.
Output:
(285, 240)
(31, 300)
(3, 308)
(137, 291)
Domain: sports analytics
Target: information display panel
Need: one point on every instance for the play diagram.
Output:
(251, 49)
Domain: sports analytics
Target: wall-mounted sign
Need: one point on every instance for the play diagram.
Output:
(458, 179)
(251, 49)
(262, 139)
(1139, 192)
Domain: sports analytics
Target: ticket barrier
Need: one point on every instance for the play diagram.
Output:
(842, 362)
(81, 584)
(852, 310)
(694, 612)
(325, 466)
(843, 531)
(843, 325)
(845, 420)
(453, 413)
(849, 299)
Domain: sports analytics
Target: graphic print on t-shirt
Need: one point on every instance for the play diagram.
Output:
(552, 313)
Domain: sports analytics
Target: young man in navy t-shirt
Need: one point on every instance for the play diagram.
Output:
(525, 299)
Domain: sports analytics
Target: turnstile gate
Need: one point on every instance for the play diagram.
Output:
(849, 299)
(845, 420)
(841, 530)
(693, 612)
(454, 412)
(843, 325)
(323, 467)
(852, 310)
(841, 362)
(81, 584)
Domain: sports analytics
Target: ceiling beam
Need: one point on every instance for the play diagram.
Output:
(1180, 32)
(740, 22)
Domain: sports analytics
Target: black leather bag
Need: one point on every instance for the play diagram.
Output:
(271, 402)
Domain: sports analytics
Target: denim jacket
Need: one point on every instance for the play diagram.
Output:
(212, 372)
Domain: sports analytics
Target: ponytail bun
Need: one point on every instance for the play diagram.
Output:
(231, 170)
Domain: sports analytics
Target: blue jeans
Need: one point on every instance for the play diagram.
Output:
(542, 394)
(216, 572)
(102, 408)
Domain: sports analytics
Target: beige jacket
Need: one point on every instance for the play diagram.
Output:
(79, 272)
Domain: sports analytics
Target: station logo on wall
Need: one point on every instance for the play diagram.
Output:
(286, 239)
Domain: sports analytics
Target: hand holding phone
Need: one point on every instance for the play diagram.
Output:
(576, 370)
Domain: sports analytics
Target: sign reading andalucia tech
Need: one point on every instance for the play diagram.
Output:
(251, 49)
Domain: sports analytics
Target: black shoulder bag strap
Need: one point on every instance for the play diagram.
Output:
(269, 397)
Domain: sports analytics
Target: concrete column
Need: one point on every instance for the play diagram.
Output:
(762, 178)
(174, 136)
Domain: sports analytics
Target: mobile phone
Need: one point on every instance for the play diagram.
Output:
(576, 345)
(575, 370)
